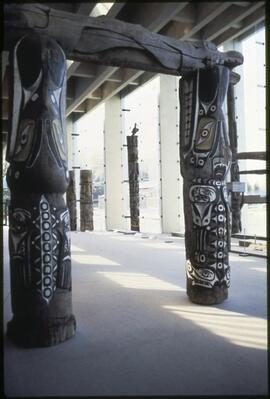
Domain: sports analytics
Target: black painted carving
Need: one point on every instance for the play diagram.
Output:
(133, 172)
(39, 242)
(205, 160)
(86, 200)
(71, 201)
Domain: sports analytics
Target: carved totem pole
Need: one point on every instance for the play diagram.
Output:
(71, 201)
(205, 160)
(237, 198)
(133, 173)
(39, 241)
(86, 200)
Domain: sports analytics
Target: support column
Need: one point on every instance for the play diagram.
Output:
(205, 161)
(171, 179)
(133, 173)
(113, 147)
(86, 201)
(39, 242)
(71, 201)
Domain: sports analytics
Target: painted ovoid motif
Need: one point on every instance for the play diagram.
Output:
(205, 161)
(39, 240)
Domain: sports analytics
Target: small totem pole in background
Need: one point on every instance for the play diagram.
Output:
(205, 160)
(71, 201)
(133, 172)
(237, 198)
(86, 200)
(39, 241)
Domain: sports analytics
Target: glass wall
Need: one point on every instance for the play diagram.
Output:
(142, 107)
(252, 135)
(91, 149)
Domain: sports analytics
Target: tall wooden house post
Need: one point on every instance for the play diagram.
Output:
(205, 160)
(39, 241)
(133, 173)
(86, 200)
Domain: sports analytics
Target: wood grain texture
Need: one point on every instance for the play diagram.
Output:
(107, 41)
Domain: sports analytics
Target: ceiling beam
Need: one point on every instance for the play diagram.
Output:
(165, 11)
(248, 23)
(86, 9)
(5, 109)
(206, 13)
(233, 15)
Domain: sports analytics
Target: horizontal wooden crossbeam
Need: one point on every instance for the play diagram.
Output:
(113, 42)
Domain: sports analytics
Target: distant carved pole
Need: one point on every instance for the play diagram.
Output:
(205, 160)
(86, 200)
(39, 241)
(133, 172)
(71, 201)
(236, 197)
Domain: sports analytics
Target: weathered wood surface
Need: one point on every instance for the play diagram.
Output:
(39, 244)
(113, 42)
(258, 155)
(86, 200)
(71, 201)
(133, 173)
(205, 158)
(236, 198)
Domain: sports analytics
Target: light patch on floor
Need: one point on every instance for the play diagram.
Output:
(77, 249)
(243, 259)
(125, 238)
(161, 245)
(141, 281)
(238, 328)
(258, 269)
(93, 260)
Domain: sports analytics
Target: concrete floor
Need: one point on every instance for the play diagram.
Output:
(138, 334)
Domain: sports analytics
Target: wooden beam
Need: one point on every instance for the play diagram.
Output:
(259, 155)
(233, 15)
(146, 50)
(254, 199)
(86, 9)
(254, 172)
(5, 126)
(4, 63)
(85, 70)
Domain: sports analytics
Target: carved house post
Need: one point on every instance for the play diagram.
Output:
(133, 172)
(39, 242)
(71, 201)
(236, 197)
(86, 201)
(205, 160)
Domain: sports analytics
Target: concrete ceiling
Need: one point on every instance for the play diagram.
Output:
(88, 85)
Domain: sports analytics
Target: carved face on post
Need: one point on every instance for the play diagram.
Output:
(39, 242)
(205, 161)
(37, 143)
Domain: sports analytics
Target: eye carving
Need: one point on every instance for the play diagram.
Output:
(204, 133)
(201, 112)
(213, 108)
(24, 138)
